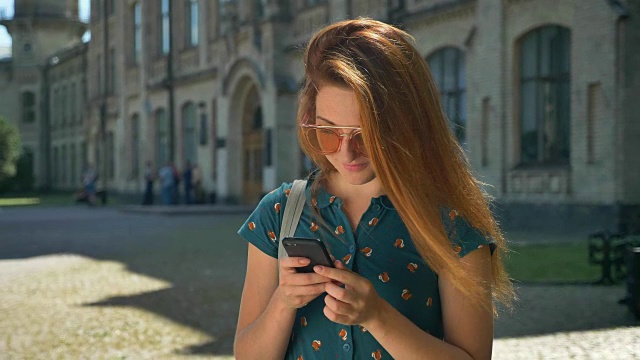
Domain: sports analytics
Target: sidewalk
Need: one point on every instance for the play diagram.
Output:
(186, 209)
(114, 282)
(567, 322)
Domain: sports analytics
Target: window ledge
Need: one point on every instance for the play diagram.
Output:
(539, 179)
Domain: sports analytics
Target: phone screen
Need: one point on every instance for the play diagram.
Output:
(313, 249)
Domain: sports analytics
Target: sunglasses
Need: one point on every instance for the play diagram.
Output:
(326, 139)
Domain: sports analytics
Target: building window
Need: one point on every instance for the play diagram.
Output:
(28, 107)
(213, 23)
(97, 10)
(545, 110)
(448, 69)
(165, 27)
(162, 138)
(137, 33)
(204, 128)
(112, 7)
(189, 139)
(192, 22)
(135, 146)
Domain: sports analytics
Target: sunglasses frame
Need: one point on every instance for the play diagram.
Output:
(355, 131)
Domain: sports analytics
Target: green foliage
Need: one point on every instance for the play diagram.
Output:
(24, 179)
(9, 149)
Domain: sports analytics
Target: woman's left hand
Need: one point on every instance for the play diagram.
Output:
(355, 303)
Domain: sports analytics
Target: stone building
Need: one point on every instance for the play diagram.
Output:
(541, 93)
(64, 113)
(39, 28)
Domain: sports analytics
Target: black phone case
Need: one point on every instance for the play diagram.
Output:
(313, 249)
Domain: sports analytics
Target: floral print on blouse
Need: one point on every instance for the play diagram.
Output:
(380, 249)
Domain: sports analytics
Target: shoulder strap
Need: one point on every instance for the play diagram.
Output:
(292, 213)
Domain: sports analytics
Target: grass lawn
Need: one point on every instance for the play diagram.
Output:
(558, 262)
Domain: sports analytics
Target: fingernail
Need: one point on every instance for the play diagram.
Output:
(317, 268)
(304, 261)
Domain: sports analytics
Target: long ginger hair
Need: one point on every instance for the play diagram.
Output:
(420, 164)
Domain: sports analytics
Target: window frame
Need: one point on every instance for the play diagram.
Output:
(164, 28)
(192, 23)
(161, 137)
(28, 107)
(544, 98)
(136, 14)
(452, 90)
(190, 132)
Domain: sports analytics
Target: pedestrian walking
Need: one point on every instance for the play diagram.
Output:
(149, 178)
(187, 179)
(89, 179)
(418, 252)
(167, 183)
(196, 179)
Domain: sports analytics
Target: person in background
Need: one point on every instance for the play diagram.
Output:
(196, 178)
(167, 183)
(187, 178)
(175, 194)
(418, 251)
(149, 178)
(89, 179)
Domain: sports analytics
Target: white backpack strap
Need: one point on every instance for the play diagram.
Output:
(291, 215)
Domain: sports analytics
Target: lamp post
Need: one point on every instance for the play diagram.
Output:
(103, 105)
(170, 86)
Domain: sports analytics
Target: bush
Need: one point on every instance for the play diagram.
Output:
(9, 149)
(24, 179)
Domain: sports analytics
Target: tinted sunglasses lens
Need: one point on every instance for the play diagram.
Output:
(358, 143)
(329, 141)
(322, 140)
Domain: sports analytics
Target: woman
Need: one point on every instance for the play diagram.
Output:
(418, 251)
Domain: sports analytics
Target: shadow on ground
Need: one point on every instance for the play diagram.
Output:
(202, 258)
(204, 261)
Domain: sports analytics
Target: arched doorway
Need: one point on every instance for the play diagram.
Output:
(252, 148)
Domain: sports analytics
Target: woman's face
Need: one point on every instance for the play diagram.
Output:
(337, 106)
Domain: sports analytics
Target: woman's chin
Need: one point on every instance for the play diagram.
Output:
(359, 177)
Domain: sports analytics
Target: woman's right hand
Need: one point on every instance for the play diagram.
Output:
(298, 289)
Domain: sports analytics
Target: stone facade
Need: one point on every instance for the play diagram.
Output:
(38, 30)
(224, 90)
(64, 87)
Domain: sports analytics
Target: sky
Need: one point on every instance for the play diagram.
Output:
(6, 9)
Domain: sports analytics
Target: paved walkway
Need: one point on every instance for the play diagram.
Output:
(568, 322)
(132, 275)
(186, 209)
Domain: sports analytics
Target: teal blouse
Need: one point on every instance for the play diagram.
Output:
(380, 250)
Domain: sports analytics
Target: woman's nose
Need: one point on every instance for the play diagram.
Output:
(348, 149)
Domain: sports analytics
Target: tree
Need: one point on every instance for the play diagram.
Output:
(9, 149)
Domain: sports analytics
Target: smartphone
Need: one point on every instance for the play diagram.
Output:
(313, 249)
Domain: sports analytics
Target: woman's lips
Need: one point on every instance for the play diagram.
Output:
(354, 167)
